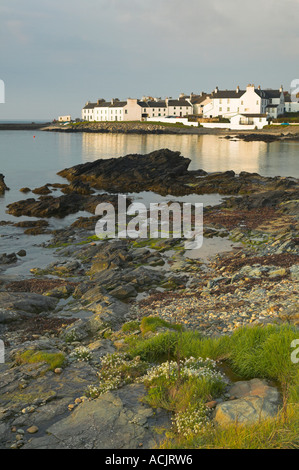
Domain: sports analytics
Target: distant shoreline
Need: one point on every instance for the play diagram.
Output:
(16, 126)
(271, 134)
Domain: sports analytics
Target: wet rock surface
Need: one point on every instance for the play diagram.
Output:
(115, 420)
(252, 401)
(92, 287)
(3, 186)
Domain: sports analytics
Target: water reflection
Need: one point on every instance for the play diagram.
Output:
(212, 153)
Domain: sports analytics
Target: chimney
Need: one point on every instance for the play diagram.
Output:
(216, 89)
(112, 101)
(259, 87)
(281, 89)
(237, 89)
(166, 102)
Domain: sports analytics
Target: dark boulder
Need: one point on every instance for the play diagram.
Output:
(3, 186)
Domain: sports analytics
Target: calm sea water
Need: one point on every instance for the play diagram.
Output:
(31, 161)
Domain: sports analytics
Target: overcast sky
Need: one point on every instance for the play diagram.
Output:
(56, 55)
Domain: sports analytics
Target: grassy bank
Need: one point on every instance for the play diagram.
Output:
(184, 371)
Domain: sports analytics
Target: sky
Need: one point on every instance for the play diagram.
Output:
(56, 55)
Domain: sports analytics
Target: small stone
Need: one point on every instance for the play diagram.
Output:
(13, 429)
(78, 401)
(32, 430)
(58, 371)
(22, 253)
(71, 407)
(211, 404)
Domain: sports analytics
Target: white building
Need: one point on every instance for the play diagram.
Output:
(290, 106)
(255, 121)
(199, 102)
(114, 110)
(227, 103)
(178, 108)
(64, 118)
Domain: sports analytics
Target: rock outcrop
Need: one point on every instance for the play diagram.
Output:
(252, 401)
(3, 186)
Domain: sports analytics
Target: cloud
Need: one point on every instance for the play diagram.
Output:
(73, 50)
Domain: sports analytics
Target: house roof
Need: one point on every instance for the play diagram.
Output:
(117, 104)
(197, 99)
(287, 97)
(272, 93)
(103, 104)
(179, 103)
(253, 115)
(156, 104)
(90, 105)
(224, 94)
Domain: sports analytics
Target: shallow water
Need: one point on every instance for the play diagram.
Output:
(32, 158)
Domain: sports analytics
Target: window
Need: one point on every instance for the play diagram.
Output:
(220, 109)
(228, 109)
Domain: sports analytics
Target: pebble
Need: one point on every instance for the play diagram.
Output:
(32, 430)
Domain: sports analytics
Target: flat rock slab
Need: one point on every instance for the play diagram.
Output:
(27, 302)
(116, 420)
(255, 401)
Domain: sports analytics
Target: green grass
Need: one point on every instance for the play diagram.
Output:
(34, 357)
(153, 323)
(275, 433)
(155, 349)
(251, 351)
(180, 395)
(130, 326)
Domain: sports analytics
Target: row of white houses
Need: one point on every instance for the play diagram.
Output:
(219, 104)
(135, 110)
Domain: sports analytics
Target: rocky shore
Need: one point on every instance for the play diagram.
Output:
(62, 322)
(269, 134)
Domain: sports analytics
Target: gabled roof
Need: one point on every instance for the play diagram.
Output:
(287, 97)
(142, 104)
(227, 94)
(103, 104)
(118, 104)
(90, 105)
(179, 103)
(272, 93)
(197, 99)
(156, 104)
